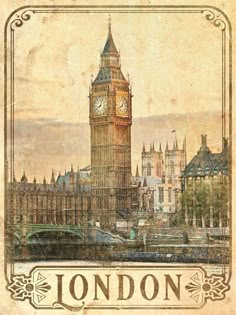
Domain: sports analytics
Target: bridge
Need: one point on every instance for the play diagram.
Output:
(54, 241)
(24, 234)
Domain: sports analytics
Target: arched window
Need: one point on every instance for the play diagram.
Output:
(158, 168)
(149, 169)
(172, 168)
(181, 164)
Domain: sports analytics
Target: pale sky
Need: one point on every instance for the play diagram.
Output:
(174, 62)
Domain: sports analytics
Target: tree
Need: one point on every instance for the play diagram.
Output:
(220, 200)
(200, 197)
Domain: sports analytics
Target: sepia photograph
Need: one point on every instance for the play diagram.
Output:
(118, 140)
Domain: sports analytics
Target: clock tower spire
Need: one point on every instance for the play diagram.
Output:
(110, 117)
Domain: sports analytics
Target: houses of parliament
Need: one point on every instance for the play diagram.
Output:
(105, 191)
(102, 190)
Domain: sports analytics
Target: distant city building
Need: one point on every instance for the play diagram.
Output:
(175, 162)
(207, 165)
(152, 161)
(105, 191)
(159, 187)
(65, 200)
(206, 187)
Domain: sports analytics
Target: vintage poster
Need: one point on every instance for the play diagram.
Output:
(117, 178)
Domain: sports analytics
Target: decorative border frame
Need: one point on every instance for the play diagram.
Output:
(23, 14)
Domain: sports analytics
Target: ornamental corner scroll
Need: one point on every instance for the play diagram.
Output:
(23, 15)
(20, 18)
(215, 18)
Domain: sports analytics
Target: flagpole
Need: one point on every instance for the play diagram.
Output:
(174, 133)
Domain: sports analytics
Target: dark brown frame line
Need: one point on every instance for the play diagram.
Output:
(23, 14)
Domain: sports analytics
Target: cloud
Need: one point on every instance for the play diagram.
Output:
(45, 143)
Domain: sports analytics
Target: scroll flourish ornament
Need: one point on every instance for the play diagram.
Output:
(214, 19)
(20, 19)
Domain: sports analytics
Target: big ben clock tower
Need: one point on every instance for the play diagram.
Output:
(110, 117)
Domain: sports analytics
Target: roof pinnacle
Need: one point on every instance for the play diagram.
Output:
(137, 171)
(110, 67)
(145, 182)
(109, 48)
(167, 146)
(53, 177)
(143, 147)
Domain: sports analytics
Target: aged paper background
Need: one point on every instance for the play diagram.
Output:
(8, 306)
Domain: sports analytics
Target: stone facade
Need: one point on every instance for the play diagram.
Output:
(152, 161)
(175, 162)
(102, 191)
(110, 118)
(65, 201)
(161, 177)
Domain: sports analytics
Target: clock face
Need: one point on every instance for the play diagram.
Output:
(122, 106)
(100, 105)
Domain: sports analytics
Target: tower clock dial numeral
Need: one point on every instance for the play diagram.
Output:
(100, 105)
(122, 106)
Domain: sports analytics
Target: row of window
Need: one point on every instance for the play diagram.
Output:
(111, 156)
(171, 168)
(161, 194)
(71, 217)
(31, 202)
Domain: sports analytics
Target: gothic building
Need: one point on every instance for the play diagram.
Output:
(152, 161)
(105, 191)
(159, 186)
(205, 180)
(167, 166)
(175, 162)
(110, 118)
(64, 201)
(100, 192)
